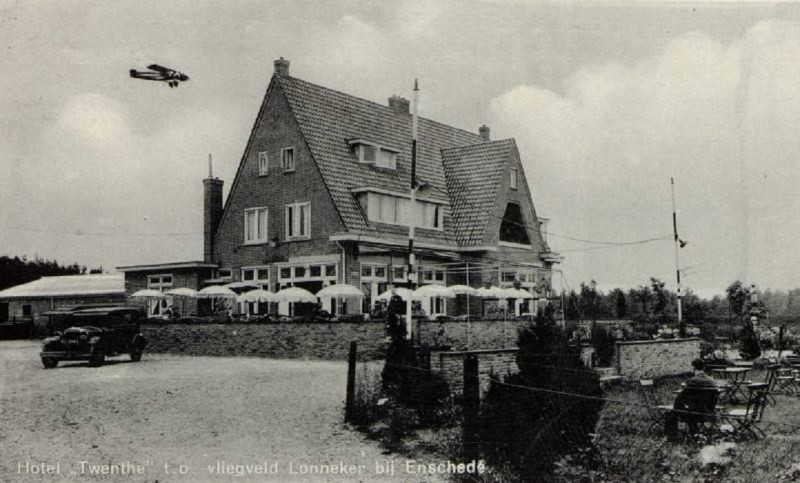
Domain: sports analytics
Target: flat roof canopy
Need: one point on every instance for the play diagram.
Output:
(167, 266)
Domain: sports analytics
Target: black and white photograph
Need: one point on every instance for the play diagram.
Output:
(418, 241)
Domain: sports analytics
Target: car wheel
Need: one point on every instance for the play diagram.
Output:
(97, 360)
(49, 362)
(136, 355)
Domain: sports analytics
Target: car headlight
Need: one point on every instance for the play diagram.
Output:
(94, 340)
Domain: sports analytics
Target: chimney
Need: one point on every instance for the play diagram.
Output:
(484, 132)
(212, 212)
(281, 67)
(399, 104)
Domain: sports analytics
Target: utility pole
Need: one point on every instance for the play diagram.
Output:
(678, 245)
(412, 210)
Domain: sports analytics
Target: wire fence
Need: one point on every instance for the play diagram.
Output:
(556, 426)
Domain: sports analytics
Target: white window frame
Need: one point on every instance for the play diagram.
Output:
(425, 211)
(263, 163)
(297, 228)
(513, 182)
(220, 276)
(385, 157)
(284, 164)
(157, 306)
(256, 240)
(257, 270)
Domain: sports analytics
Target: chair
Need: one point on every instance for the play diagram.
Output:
(699, 409)
(772, 380)
(656, 412)
(746, 420)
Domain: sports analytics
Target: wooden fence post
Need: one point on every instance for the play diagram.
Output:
(471, 401)
(351, 382)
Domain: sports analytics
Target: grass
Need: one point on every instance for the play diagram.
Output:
(628, 449)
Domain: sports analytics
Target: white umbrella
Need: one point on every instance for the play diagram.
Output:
(216, 291)
(401, 292)
(182, 292)
(343, 290)
(295, 294)
(148, 293)
(240, 285)
(462, 289)
(257, 295)
(491, 293)
(434, 291)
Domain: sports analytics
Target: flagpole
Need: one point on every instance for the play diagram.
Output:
(412, 209)
(677, 257)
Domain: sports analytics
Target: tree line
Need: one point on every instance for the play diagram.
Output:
(16, 270)
(653, 301)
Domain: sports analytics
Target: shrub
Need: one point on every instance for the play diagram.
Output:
(604, 346)
(538, 416)
(750, 348)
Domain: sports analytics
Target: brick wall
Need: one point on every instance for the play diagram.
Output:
(275, 129)
(41, 305)
(278, 340)
(656, 358)
(483, 334)
(451, 366)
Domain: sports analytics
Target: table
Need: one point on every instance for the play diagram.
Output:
(736, 377)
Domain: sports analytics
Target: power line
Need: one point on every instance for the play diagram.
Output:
(80, 232)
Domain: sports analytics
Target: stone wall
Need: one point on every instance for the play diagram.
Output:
(450, 365)
(656, 358)
(276, 340)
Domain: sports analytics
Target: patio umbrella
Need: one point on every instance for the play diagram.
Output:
(241, 285)
(148, 293)
(518, 293)
(183, 293)
(401, 292)
(257, 295)
(215, 292)
(434, 291)
(295, 294)
(341, 291)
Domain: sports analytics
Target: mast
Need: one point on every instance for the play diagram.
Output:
(412, 210)
(678, 245)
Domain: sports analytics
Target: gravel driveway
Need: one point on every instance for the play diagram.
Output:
(215, 419)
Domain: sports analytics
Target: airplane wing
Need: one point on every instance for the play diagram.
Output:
(161, 69)
(146, 75)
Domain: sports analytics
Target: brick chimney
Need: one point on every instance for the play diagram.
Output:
(484, 132)
(399, 105)
(212, 212)
(281, 67)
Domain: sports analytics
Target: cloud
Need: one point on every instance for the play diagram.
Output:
(722, 119)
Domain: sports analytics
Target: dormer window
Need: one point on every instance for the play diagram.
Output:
(372, 153)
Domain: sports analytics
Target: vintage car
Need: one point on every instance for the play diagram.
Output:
(92, 333)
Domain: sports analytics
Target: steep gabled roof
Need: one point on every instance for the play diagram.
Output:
(473, 176)
(329, 119)
(72, 285)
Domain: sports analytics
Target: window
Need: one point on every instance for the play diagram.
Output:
(255, 225)
(298, 220)
(255, 274)
(371, 153)
(224, 273)
(27, 310)
(287, 159)
(395, 210)
(161, 283)
(263, 163)
(330, 270)
(512, 228)
(513, 180)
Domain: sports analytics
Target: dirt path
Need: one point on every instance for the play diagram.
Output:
(245, 418)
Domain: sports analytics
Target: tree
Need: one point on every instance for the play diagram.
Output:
(620, 303)
(572, 310)
(589, 300)
(660, 295)
(737, 295)
(546, 411)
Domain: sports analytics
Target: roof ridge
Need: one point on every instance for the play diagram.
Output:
(388, 108)
(481, 144)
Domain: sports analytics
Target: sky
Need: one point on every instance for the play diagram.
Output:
(606, 100)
